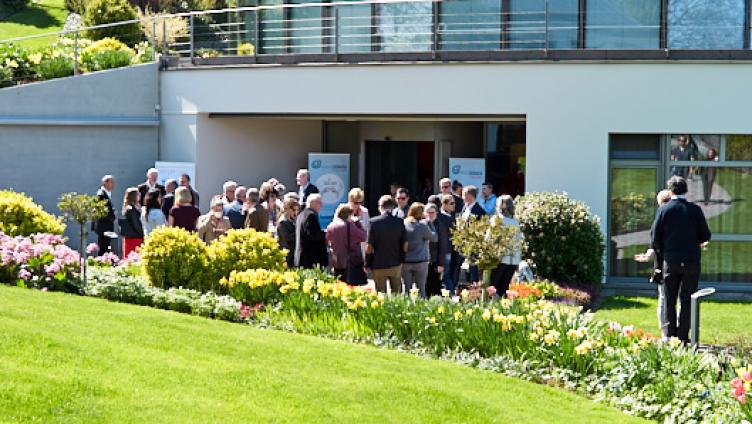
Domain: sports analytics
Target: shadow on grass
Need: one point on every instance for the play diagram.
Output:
(34, 15)
(620, 302)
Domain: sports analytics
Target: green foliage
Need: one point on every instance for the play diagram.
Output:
(633, 212)
(561, 237)
(107, 53)
(14, 5)
(15, 65)
(174, 257)
(738, 147)
(76, 6)
(100, 12)
(82, 208)
(240, 250)
(20, 216)
(483, 241)
(6, 77)
(55, 67)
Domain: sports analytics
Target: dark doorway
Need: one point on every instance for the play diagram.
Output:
(405, 163)
(505, 157)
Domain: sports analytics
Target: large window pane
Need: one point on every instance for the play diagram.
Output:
(725, 196)
(527, 24)
(739, 147)
(405, 27)
(469, 24)
(706, 24)
(354, 28)
(635, 146)
(307, 28)
(623, 24)
(271, 28)
(632, 211)
(692, 147)
(727, 261)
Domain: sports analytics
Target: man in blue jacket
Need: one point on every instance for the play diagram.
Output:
(679, 231)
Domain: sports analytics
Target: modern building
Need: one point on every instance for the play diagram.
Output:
(587, 97)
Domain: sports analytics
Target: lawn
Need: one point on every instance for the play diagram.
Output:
(720, 322)
(41, 17)
(72, 359)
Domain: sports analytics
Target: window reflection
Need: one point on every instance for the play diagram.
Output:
(470, 25)
(623, 24)
(405, 27)
(706, 24)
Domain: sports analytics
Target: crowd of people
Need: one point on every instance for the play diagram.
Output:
(405, 245)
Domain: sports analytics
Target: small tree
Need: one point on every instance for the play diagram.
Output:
(82, 209)
(484, 242)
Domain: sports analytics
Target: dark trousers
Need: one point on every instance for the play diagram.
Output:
(456, 266)
(501, 276)
(104, 243)
(433, 282)
(681, 281)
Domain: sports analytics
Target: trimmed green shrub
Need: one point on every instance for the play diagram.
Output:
(76, 6)
(241, 250)
(100, 12)
(174, 257)
(55, 67)
(15, 64)
(14, 5)
(20, 216)
(562, 238)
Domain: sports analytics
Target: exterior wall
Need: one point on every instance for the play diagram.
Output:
(250, 150)
(64, 135)
(570, 108)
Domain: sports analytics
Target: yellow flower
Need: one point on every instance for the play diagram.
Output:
(457, 315)
(433, 320)
(11, 63)
(486, 315)
(440, 309)
(584, 347)
(534, 336)
(374, 304)
(469, 312)
(444, 293)
(284, 289)
(35, 58)
(551, 337)
(464, 294)
(414, 292)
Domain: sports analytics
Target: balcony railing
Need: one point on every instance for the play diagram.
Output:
(428, 30)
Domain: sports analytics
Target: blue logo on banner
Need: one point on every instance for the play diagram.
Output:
(456, 169)
(316, 164)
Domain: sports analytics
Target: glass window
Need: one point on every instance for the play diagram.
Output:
(405, 27)
(527, 24)
(706, 24)
(727, 261)
(691, 147)
(307, 28)
(623, 24)
(469, 25)
(635, 146)
(632, 211)
(725, 196)
(354, 28)
(271, 28)
(739, 147)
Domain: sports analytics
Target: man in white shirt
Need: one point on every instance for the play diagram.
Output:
(152, 176)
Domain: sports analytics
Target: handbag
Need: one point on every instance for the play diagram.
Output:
(656, 277)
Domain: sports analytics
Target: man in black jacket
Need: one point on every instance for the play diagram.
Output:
(168, 200)
(307, 188)
(679, 231)
(386, 247)
(107, 223)
(310, 241)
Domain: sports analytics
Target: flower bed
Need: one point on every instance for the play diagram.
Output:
(40, 261)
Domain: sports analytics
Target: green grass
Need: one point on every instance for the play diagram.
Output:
(72, 359)
(42, 16)
(721, 322)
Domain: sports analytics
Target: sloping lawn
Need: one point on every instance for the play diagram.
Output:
(720, 322)
(41, 17)
(72, 359)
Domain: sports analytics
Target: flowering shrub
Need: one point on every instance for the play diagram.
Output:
(20, 216)
(523, 290)
(174, 257)
(107, 53)
(40, 261)
(742, 390)
(561, 237)
(245, 249)
(246, 49)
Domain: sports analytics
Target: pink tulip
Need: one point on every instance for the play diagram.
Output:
(511, 294)
(739, 391)
(742, 399)
(747, 376)
(491, 290)
(737, 382)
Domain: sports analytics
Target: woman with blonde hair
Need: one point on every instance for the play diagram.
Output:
(184, 214)
(355, 201)
(343, 237)
(130, 225)
(214, 224)
(419, 234)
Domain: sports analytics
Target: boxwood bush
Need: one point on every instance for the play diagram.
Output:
(100, 12)
(174, 257)
(20, 216)
(241, 250)
(562, 237)
(107, 53)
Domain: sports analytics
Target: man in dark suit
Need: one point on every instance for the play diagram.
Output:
(386, 247)
(678, 232)
(106, 223)
(445, 185)
(447, 219)
(168, 200)
(306, 188)
(310, 243)
(150, 184)
(185, 181)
